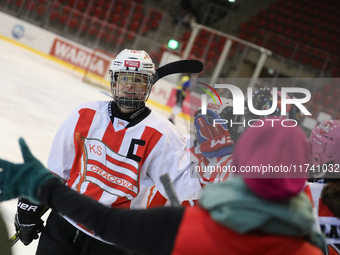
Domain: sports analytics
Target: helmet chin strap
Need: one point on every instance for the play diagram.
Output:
(133, 104)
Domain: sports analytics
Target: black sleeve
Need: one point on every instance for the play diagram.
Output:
(151, 231)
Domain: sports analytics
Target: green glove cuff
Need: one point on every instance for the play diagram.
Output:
(23, 180)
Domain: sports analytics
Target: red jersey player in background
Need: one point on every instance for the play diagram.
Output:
(203, 155)
(111, 151)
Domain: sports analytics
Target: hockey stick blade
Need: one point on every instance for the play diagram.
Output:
(169, 189)
(181, 66)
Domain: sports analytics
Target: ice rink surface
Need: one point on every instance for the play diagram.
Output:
(36, 96)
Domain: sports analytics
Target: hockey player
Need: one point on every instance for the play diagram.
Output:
(325, 144)
(213, 145)
(209, 162)
(238, 216)
(182, 91)
(112, 152)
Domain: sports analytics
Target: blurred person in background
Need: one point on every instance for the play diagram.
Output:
(183, 89)
(325, 181)
(203, 154)
(262, 99)
(268, 213)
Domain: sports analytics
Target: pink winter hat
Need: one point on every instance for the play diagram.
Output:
(271, 159)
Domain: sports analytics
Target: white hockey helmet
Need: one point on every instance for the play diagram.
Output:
(218, 108)
(133, 67)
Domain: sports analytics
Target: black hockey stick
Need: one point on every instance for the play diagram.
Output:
(169, 189)
(181, 66)
(15, 238)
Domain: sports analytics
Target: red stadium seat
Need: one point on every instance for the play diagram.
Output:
(316, 63)
(194, 49)
(130, 36)
(98, 12)
(122, 21)
(63, 19)
(100, 3)
(18, 3)
(208, 65)
(83, 26)
(213, 45)
(115, 18)
(145, 29)
(201, 51)
(55, 5)
(139, 8)
(120, 41)
(186, 35)
(110, 37)
(155, 23)
(134, 26)
(93, 30)
(137, 16)
(183, 46)
(102, 34)
(212, 55)
(71, 3)
(41, 9)
(203, 41)
(81, 6)
(67, 9)
(30, 6)
(73, 24)
(315, 41)
(118, 8)
(54, 15)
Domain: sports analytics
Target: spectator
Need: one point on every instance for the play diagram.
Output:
(325, 186)
(183, 89)
(269, 215)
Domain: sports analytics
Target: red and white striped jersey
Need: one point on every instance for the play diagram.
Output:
(115, 163)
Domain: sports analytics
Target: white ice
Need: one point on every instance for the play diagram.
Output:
(36, 96)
